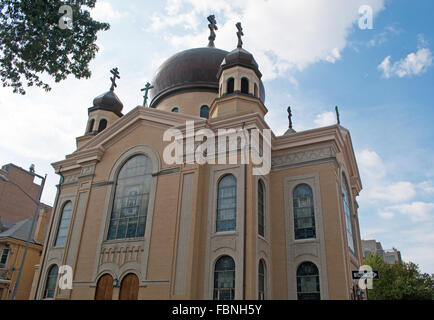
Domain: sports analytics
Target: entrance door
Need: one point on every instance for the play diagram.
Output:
(104, 289)
(129, 288)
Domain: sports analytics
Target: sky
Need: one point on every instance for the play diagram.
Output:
(313, 54)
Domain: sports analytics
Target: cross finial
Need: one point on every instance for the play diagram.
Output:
(240, 34)
(147, 87)
(212, 27)
(337, 115)
(115, 73)
(290, 117)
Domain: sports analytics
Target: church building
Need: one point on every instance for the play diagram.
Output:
(132, 225)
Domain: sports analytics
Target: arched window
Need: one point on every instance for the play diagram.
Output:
(65, 221)
(130, 205)
(245, 85)
(308, 282)
(227, 204)
(261, 208)
(204, 112)
(102, 125)
(262, 278)
(304, 213)
(90, 126)
(50, 285)
(104, 288)
(348, 214)
(175, 110)
(129, 287)
(224, 279)
(231, 86)
(256, 90)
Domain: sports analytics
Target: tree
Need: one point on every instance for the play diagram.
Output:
(399, 281)
(34, 41)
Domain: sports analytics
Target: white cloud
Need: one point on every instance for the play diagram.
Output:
(283, 35)
(414, 64)
(387, 215)
(396, 192)
(417, 211)
(325, 119)
(105, 12)
(426, 187)
(371, 164)
(377, 187)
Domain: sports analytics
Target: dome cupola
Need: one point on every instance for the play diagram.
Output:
(108, 101)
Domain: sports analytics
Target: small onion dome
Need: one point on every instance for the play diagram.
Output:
(242, 58)
(108, 101)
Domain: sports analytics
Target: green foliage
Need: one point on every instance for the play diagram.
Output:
(33, 44)
(399, 281)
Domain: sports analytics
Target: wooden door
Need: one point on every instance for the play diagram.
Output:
(129, 288)
(104, 289)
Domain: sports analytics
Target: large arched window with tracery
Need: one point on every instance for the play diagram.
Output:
(348, 214)
(224, 279)
(304, 213)
(308, 282)
(65, 221)
(227, 204)
(131, 201)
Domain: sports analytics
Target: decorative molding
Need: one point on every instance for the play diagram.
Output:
(302, 157)
(168, 171)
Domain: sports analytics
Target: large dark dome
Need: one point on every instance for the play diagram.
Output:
(190, 70)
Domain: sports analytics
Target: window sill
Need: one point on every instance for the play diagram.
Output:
(225, 233)
(302, 241)
(110, 242)
(263, 238)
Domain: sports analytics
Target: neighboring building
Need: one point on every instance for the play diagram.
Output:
(12, 244)
(15, 206)
(375, 247)
(132, 226)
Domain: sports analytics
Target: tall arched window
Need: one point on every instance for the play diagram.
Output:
(348, 214)
(204, 112)
(90, 126)
(308, 282)
(50, 285)
(102, 125)
(245, 85)
(175, 110)
(129, 287)
(130, 205)
(261, 208)
(262, 278)
(65, 221)
(256, 90)
(224, 279)
(304, 213)
(104, 288)
(227, 204)
(231, 86)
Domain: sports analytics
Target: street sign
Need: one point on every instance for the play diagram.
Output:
(365, 275)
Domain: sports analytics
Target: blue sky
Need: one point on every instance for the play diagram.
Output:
(313, 56)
